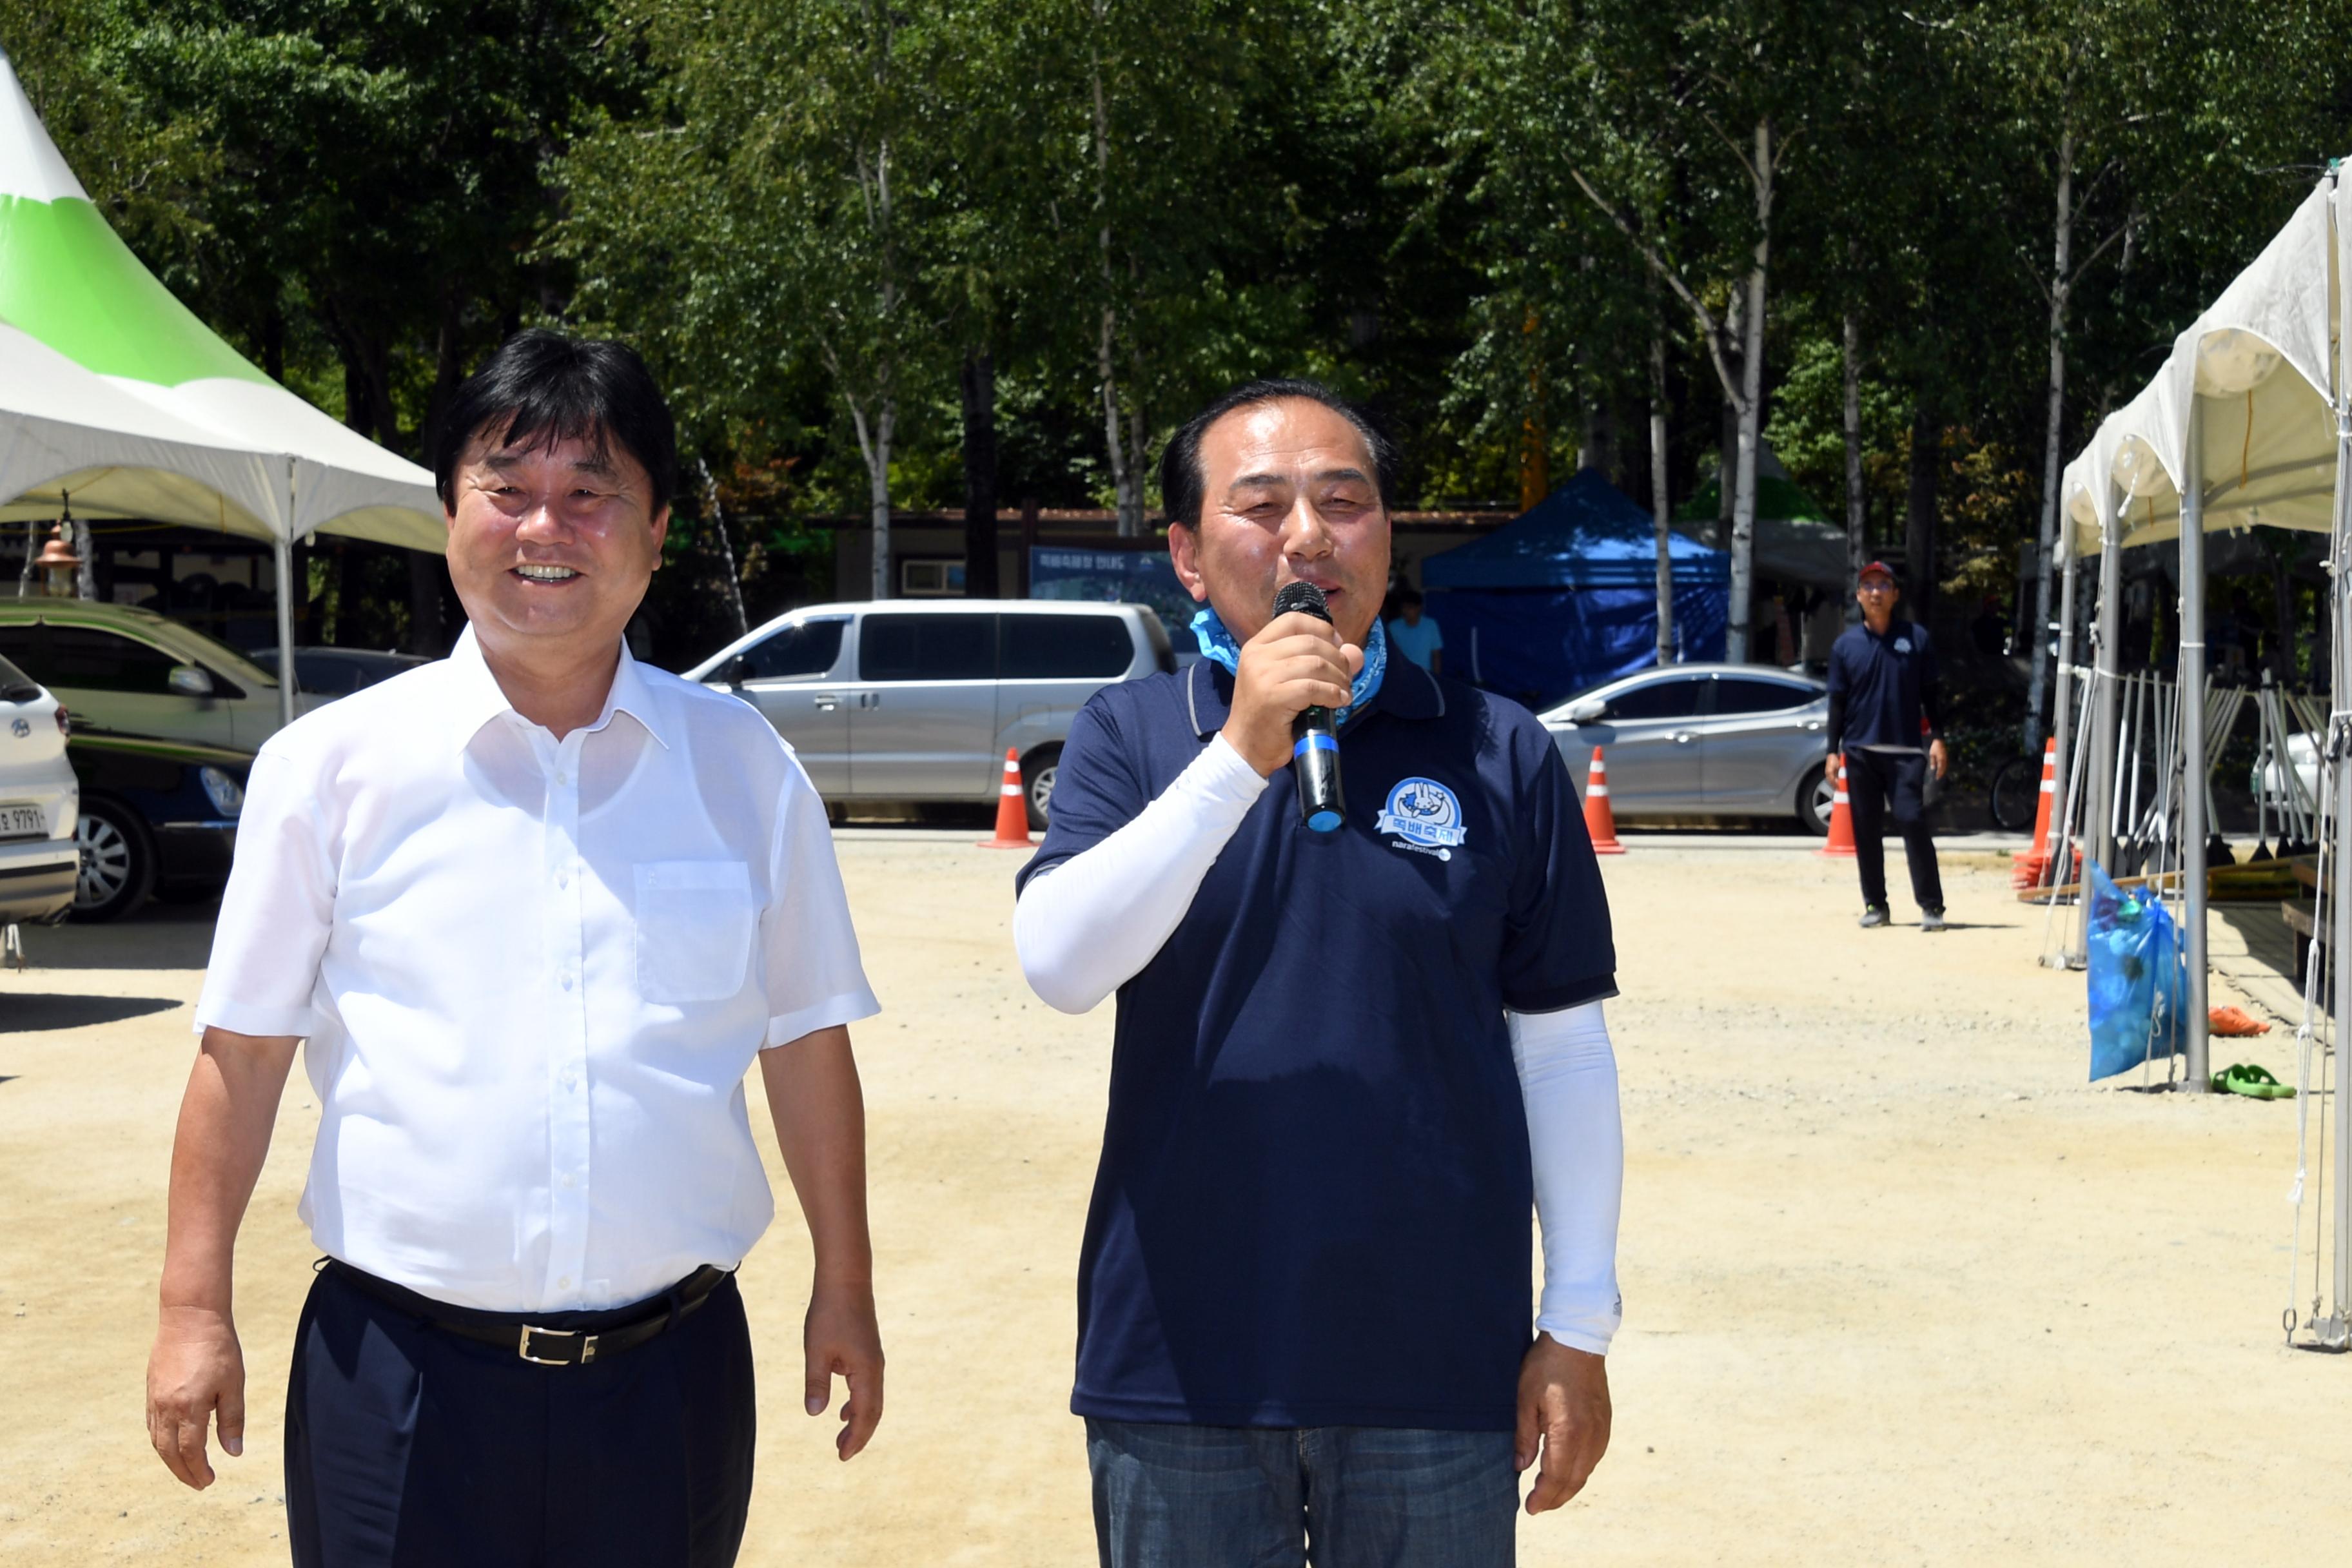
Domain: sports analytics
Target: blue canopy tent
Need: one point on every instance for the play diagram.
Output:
(1566, 595)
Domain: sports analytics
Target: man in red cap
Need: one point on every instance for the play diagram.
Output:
(1882, 709)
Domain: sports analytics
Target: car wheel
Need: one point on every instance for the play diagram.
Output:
(1037, 770)
(1816, 797)
(117, 862)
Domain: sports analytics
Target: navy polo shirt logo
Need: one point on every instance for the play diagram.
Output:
(1902, 645)
(1426, 816)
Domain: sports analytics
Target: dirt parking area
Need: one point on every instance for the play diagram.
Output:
(1899, 1286)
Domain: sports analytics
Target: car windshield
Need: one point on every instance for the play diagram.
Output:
(221, 657)
(15, 686)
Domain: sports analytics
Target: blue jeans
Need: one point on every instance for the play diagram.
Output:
(1337, 1497)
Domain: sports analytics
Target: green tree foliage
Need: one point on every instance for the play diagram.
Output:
(932, 250)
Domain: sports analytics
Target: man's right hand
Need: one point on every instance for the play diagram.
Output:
(1297, 662)
(195, 1371)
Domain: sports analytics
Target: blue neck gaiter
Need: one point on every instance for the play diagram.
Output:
(1218, 647)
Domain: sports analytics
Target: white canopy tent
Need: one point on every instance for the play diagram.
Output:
(114, 394)
(2246, 423)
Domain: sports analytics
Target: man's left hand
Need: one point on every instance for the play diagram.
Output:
(843, 1340)
(1563, 1406)
(1938, 758)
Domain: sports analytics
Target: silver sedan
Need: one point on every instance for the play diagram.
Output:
(1703, 740)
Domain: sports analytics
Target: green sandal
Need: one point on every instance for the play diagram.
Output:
(2254, 1082)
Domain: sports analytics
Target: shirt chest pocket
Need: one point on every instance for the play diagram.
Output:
(695, 922)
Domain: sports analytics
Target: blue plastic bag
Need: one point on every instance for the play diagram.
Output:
(2136, 986)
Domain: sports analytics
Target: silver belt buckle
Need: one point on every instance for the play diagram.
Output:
(522, 1345)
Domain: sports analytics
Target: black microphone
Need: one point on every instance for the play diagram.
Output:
(1314, 748)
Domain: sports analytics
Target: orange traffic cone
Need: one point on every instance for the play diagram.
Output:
(1598, 821)
(1012, 809)
(1840, 838)
(2028, 864)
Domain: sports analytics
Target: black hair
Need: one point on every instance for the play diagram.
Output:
(541, 387)
(1181, 482)
(1408, 595)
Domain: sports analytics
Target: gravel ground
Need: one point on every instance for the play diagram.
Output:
(1899, 1286)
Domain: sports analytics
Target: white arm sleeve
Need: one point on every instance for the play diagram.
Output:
(1085, 928)
(1568, 1077)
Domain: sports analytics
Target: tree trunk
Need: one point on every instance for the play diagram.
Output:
(2052, 454)
(1919, 511)
(1727, 434)
(1126, 478)
(86, 550)
(273, 344)
(1599, 448)
(1751, 406)
(979, 386)
(874, 442)
(427, 632)
(2282, 649)
(1857, 522)
(1660, 511)
(715, 515)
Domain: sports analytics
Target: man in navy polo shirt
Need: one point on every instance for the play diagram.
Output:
(1345, 1062)
(1881, 707)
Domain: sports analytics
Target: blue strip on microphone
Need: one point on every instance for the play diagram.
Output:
(1314, 740)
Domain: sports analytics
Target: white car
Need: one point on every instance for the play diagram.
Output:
(2267, 780)
(39, 804)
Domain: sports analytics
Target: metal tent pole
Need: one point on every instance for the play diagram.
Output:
(2192, 752)
(281, 549)
(2099, 799)
(2337, 876)
(2060, 845)
(2106, 637)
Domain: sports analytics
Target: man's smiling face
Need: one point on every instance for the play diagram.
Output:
(551, 542)
(1287, 496)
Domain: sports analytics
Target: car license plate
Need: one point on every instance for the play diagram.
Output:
(23, 822)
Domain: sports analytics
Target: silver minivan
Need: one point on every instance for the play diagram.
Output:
(918, 700)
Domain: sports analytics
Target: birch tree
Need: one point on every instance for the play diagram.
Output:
(780, 202)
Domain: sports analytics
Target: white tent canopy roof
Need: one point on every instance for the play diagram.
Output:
(2254, 371)
(112, 392)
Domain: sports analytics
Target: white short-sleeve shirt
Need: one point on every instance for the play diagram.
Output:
(531, 974)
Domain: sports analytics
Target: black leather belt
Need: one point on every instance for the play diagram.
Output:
(529, 1342)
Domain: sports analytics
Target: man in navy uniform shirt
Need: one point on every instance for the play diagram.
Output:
(1882, 709)
(1345, 1063)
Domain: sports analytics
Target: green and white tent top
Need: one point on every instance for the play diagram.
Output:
(114, 393)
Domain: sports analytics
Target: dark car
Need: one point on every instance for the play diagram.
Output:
(339, 671)
(156, 816)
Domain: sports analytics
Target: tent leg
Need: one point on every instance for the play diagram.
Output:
(2197, 1030)
(283, 551)
(2107, 636)
(2061, 846)
(2337, 874)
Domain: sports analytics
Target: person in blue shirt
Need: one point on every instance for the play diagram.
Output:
(1346, 1063)
(1883, 720)
(1414, 635)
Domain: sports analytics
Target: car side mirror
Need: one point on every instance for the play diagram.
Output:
(1586, 712)
(189, 681)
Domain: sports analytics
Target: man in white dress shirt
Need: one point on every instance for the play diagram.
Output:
(532, 911)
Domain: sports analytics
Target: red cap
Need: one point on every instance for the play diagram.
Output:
(1879, 568)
